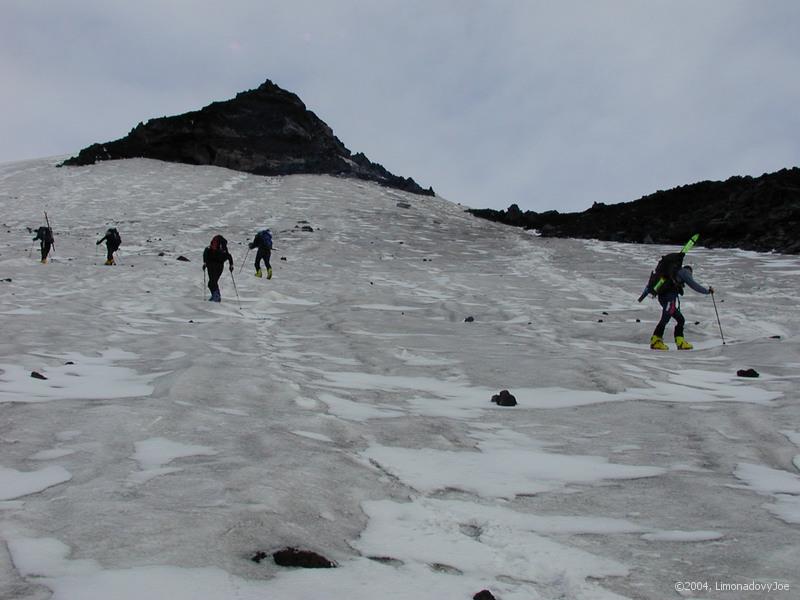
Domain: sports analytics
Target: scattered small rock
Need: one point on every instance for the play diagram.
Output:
(307, 228)
(504, 398)
(605, 313)
(638, 320)
(161, 254)
(772, 337)
(183, 259)
(484, 595)
(469, 319)
(283, 258)
(403, 205)
(599, 320)
(69, 362)
(37, 375)
(387, 560)
(747, 373)
(8, 279)
(293, 557)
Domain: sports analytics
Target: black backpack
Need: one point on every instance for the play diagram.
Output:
(114, 237)
(666, 269)
(45, 234)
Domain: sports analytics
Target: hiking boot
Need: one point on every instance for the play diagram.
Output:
(215, 297)
(657, 343)
(44, 261)
(682, 344)
(269, 272)
(109, 262)
(258, 272)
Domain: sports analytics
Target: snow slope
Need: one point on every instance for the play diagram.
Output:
(344, 406)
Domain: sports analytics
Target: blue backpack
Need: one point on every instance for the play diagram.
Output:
(265, 237)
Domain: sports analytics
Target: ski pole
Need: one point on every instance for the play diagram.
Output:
(718, 322)
(235, 290)
(204, 281)
(245, 259)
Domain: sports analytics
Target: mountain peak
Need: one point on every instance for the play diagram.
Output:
(265, 131)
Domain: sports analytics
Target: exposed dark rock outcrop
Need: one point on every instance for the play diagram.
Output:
(306, 559)
(504, 398)
(266, 131)
(753, 213)
(747, 373)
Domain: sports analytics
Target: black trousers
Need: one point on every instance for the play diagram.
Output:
(670, 309)
(214, 273)
(263, 254)
(45, 246)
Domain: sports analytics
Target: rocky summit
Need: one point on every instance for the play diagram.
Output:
(752, 213)
(265, 131)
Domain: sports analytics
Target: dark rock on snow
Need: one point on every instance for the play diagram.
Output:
(504, 398)
(469, 320)
(761, 213)
(183, 259)
(265, 131)
(293, 557)
(747, 373)
(484, 595)
(37, 375)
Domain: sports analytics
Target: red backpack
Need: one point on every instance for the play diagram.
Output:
(219, 245)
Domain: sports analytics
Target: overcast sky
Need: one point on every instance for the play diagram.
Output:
(550, 105)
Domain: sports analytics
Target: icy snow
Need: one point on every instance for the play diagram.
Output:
(344, 405)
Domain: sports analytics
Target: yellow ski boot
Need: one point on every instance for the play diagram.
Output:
(657, 343)
(258, 273)
(269, 272)
(682, 344)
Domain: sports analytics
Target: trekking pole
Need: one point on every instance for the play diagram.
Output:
(204, 283)
(245, 260)
(718, 322)
(235, 290)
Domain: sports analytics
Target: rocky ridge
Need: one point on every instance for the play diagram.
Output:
(265, 131)
(751, 213)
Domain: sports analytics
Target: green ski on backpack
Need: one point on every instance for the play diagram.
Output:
(652, 288)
